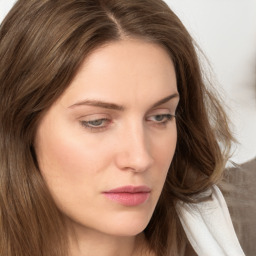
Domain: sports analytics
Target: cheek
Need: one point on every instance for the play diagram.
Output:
(69, 163)
(64, 161)
(69, 168)
(163, 150)
(58, 155)
(64, 153)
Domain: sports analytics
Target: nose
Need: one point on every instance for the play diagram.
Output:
(134, 150)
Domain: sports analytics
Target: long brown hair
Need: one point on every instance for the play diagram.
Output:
(42, 45)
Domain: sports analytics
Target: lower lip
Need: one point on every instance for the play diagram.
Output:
(128, 199)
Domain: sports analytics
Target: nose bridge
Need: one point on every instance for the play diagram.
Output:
(137, 138)
(135, 151)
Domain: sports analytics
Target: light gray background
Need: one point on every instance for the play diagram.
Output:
(226, 32)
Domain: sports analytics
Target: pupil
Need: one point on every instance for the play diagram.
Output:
(159, 118)
(96, 122)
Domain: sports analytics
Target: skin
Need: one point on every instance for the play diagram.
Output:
(85, 148)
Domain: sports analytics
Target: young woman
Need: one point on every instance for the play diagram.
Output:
(111, 144)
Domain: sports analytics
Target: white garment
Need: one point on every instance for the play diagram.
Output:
(209, 228)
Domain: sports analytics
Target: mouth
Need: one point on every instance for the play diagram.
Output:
(129, 195)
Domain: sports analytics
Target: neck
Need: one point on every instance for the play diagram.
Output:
(89, 242)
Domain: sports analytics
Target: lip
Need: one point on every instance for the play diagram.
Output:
(129, 195)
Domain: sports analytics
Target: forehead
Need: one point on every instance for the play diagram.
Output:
(127, 69)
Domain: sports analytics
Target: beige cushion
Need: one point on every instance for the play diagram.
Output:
(240, 194)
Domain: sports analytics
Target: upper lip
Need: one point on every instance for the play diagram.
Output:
(130, 189)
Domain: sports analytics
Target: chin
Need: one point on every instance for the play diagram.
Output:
(126, 231)
(127, 225)
(128, 221)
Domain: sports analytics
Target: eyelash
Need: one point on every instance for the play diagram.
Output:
(92, 127)
(166, 118)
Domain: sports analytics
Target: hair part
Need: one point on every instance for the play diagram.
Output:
(42, 46)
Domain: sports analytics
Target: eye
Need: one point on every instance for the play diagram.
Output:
(161, 119)
(96, 124)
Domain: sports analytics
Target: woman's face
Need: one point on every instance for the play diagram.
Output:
(104, 148)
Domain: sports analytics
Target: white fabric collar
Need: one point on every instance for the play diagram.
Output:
(208, 226)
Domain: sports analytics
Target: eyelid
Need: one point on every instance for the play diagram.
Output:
(87, 122)
(104, 120)
(166, 116)
(160, 117)
(162, 111)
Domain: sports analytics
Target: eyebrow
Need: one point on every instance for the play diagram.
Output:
(113, 106)
(97, 103)
(166, 99)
